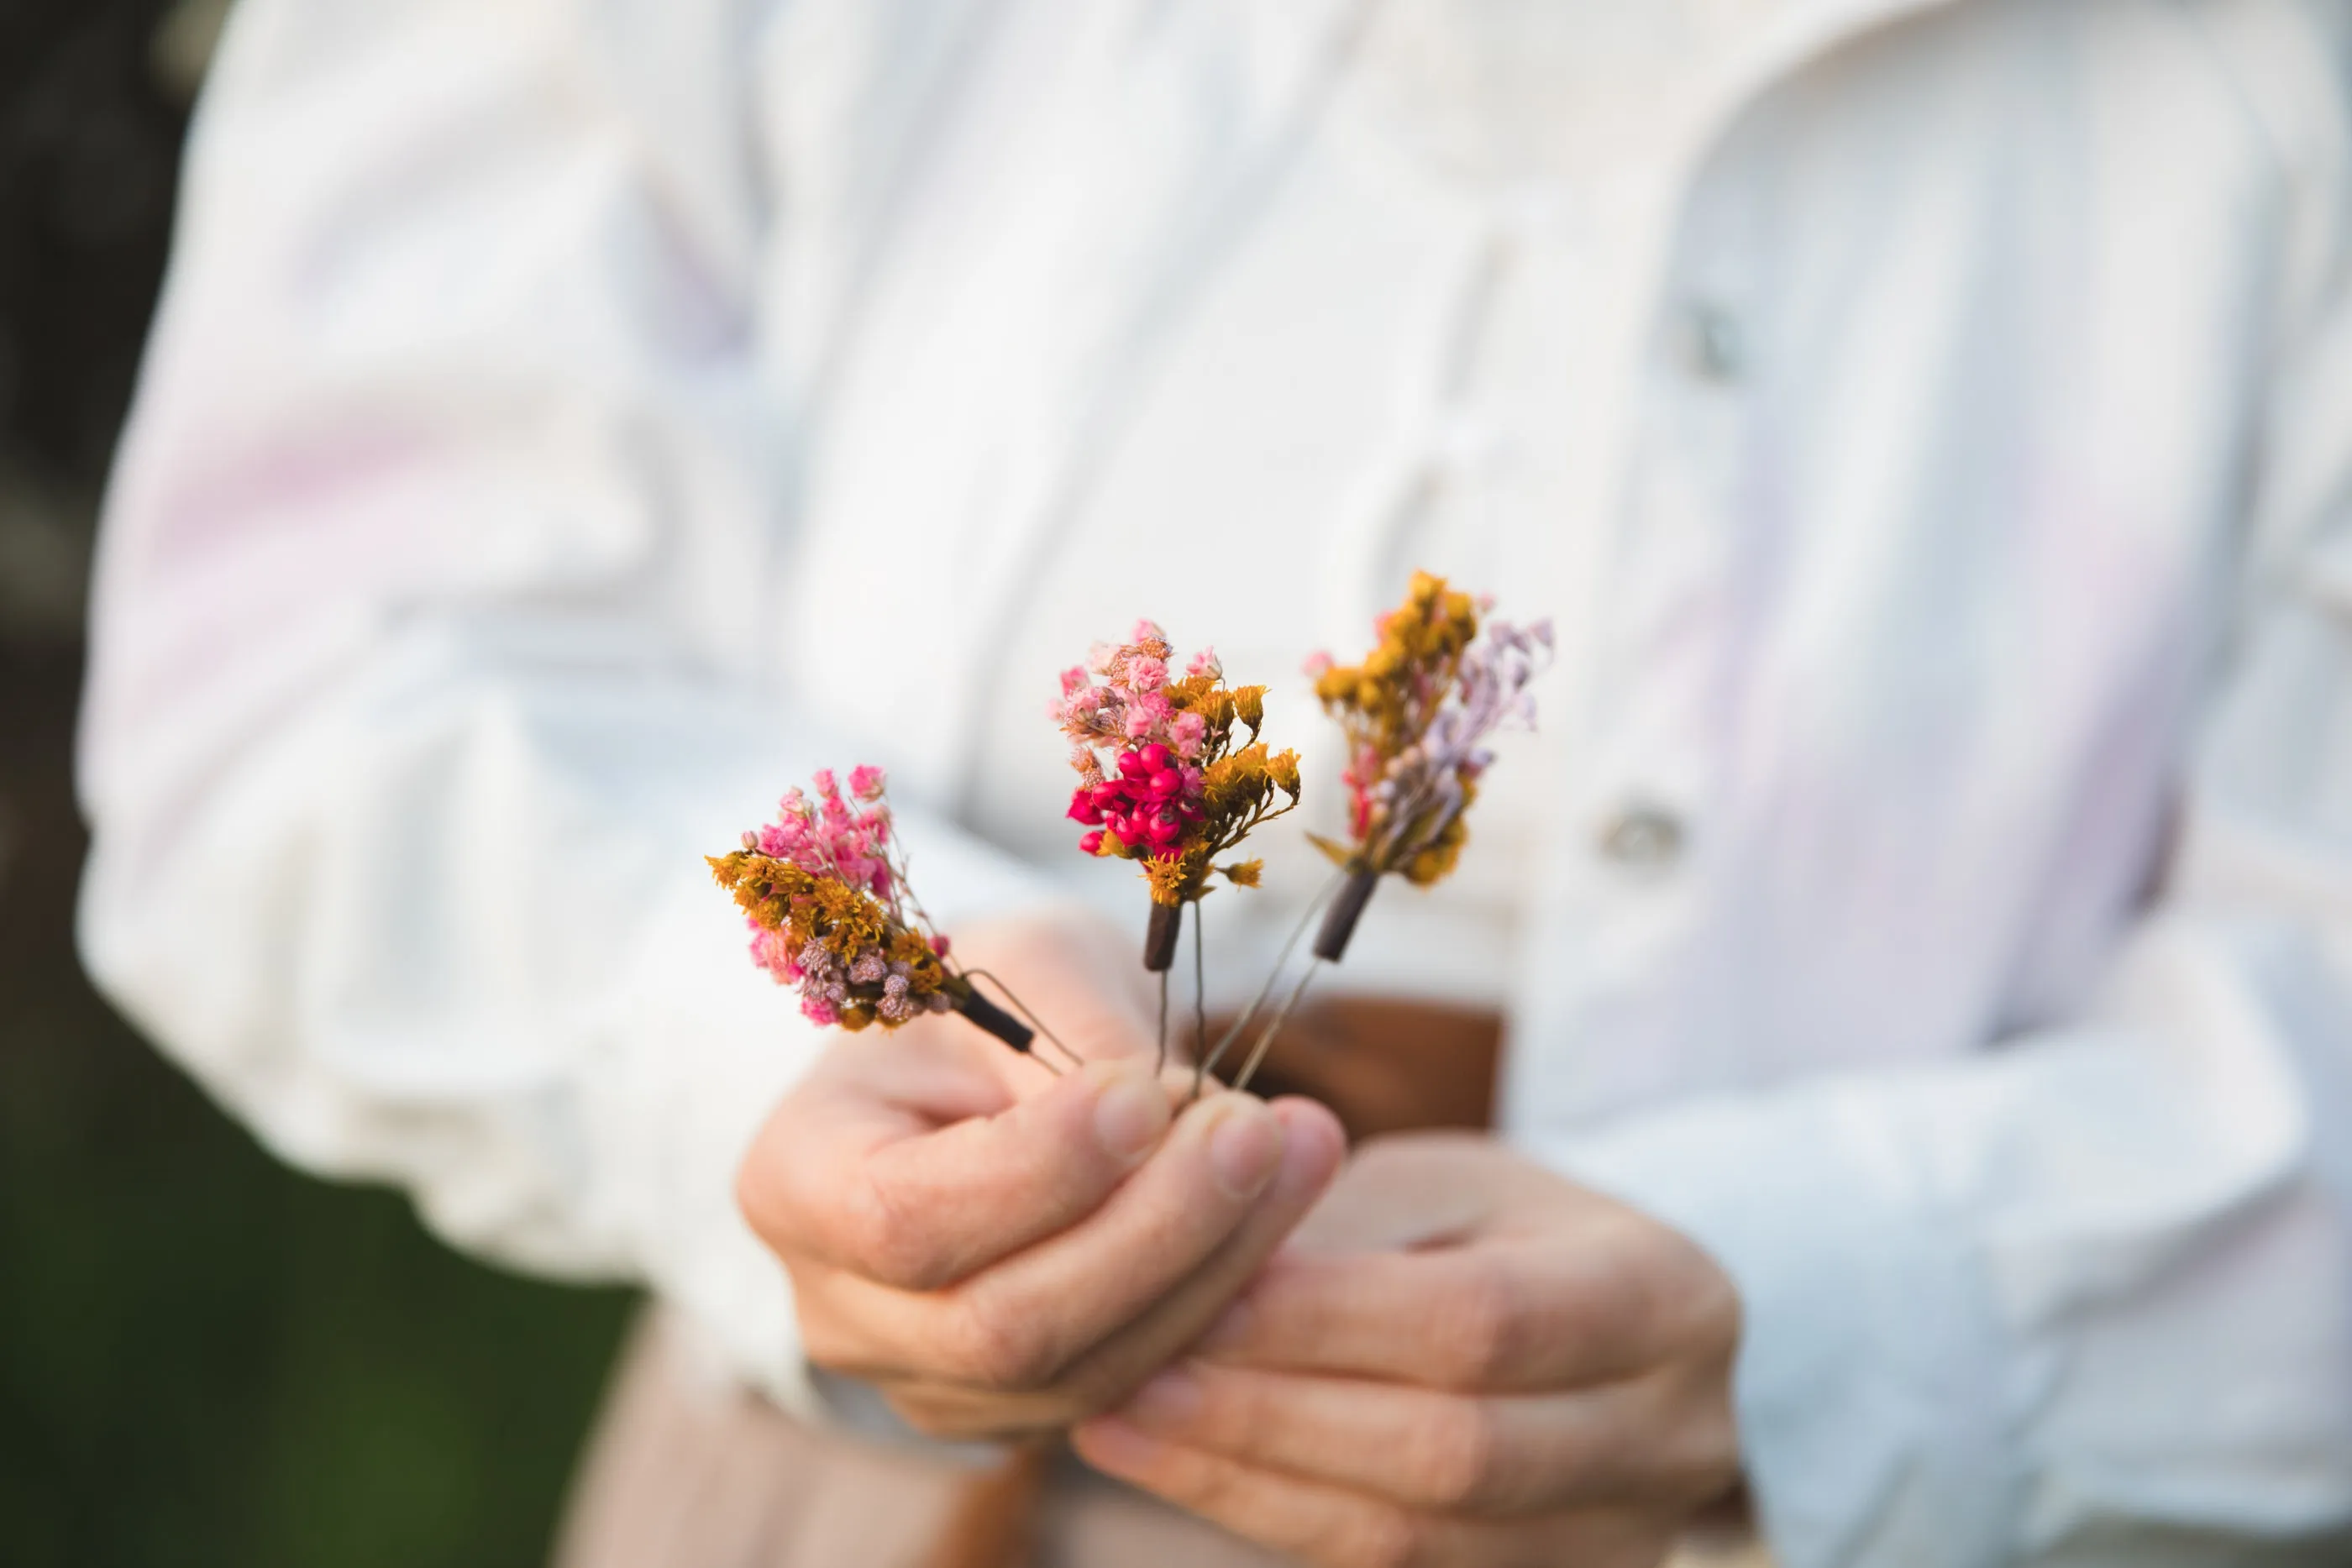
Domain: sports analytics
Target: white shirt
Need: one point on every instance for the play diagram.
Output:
(1930, 423)
(1445, 267)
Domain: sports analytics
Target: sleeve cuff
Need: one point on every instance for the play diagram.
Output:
(706, 1048)
(1869, 1386)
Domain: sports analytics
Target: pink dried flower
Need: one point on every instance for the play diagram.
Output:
(824, 892)
(1146, 748)
(1148, 717)
(835, 845)
(1185, 732)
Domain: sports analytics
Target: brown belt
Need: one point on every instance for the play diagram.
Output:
(1389, 1066)
(1381, 1067)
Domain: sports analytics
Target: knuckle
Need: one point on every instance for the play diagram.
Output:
(1217, 1489)
(1382, 1537)
(1213, 1489)
(1582, 1465)
(929, 1417)
(945, 1422)
(1451, 1460)
(1232, 1411)
(1621, 1299)
(888, 1247)
(997, 1349)
(1717, 1311)
(1477, 1331)
(824, 1345)
(1711, 1465)
(832, 1339)
(763, 1199)
(960, 1417)
(1665, 1288)
(1701, 1459)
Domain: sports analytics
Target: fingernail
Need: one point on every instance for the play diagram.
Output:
(1129, 1116)
(1245, 1150)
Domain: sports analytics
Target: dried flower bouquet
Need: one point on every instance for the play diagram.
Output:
(1166, 778)
(1173, 775)
(1442, 678)
(825, 890)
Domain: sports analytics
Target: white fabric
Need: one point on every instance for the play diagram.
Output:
(1932, 424)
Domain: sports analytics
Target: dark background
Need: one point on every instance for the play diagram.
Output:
(204, 1358)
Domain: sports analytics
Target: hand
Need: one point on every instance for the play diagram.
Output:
(1461, 1359)
(1000, 1250)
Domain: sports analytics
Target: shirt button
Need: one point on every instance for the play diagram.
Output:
(1712, 344)
(1642, 837)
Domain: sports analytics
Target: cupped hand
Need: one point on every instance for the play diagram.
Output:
(1460, 1359)
(1003, 1252)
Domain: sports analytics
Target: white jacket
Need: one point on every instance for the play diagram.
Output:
(568, 425)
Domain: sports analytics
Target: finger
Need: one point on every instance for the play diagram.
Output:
(1336, 1528)
(1511, 1455)
(1171, 1246)
(1496, 1315)
(1318, 1523)
(859, 1179)
(1106, 1376)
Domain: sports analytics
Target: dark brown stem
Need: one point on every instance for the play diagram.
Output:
(1159, 939)
(1339, 921)
(1200, 992)
(995, 1019)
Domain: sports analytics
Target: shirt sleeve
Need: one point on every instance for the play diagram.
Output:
(433, 630)
(2087, 1298)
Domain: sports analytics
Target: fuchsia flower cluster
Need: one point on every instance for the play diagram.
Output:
(846, 841)
(827, 837)
(1151, 796)
(1147, 803)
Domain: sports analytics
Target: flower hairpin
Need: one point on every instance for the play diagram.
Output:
(1416, 714)
(825, 890)
(1167, 777)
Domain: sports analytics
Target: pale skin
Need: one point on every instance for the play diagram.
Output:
(1458, 1358)
(1432, 1351)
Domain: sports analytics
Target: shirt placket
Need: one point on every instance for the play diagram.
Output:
(1618, 990)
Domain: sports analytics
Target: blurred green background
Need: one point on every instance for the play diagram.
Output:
(204, 1358)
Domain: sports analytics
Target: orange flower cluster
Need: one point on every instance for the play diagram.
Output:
(1415, 712)
(858, 964)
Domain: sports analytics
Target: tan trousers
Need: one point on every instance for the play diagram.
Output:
(683, 1473)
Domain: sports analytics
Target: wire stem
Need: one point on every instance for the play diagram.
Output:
(1033, 1020)
(1162, 1065)
(1204, 1066)
(1265, 1040)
